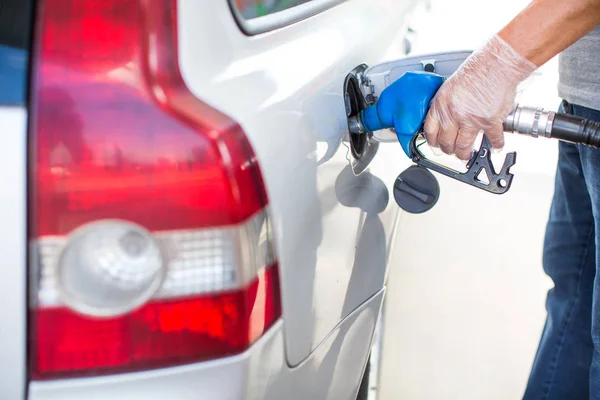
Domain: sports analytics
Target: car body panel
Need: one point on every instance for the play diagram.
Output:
(13, 238)
(332, 229)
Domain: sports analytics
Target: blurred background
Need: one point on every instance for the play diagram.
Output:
(465, 305)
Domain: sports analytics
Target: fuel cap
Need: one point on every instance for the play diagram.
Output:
(416, 190)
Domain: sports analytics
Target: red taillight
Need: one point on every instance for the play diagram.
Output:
(117, 136)
(161, 333)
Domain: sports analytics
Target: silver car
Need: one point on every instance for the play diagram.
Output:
(185, 213)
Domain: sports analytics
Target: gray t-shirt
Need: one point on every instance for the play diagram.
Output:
(579, 71)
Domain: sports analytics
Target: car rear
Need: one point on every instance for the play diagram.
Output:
(150, 245)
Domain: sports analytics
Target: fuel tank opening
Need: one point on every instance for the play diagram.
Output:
(355, 103)
(361, 145)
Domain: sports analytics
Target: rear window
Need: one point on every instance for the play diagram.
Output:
(259, 16)
(259, 8)
(15, 41)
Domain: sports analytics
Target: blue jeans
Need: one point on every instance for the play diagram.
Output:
(567, 363)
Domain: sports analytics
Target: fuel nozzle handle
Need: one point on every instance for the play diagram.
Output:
(535, 121)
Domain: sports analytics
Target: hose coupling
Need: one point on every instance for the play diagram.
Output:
(532, 121)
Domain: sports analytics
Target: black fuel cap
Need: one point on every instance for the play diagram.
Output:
(416, 190)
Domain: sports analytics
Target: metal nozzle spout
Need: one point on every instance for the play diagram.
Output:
(355, 125)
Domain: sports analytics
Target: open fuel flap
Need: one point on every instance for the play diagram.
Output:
(380, 76)
(363, 86)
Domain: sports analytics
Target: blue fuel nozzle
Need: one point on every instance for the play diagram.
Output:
(403, 105)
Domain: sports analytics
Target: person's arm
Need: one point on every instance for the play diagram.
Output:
(481, 93)
(547, 27)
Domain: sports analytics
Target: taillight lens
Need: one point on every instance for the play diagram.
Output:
(149, 217)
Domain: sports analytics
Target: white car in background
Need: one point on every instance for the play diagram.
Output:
(185, 213)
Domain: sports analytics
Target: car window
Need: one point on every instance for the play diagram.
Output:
(15, 40)
(258, 16)
(259, 8)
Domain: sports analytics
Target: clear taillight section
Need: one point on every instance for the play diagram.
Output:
(149, 219)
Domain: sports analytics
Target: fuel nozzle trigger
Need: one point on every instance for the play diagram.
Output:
(480, 161)
(416, 189)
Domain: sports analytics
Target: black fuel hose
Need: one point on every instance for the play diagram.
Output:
(574, 129)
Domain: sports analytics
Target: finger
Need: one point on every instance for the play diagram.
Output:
(436, 151)
(447, 137)
(496, 137)
(464, 143)
(432, 128)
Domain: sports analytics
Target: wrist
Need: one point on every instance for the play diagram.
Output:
(513, 66)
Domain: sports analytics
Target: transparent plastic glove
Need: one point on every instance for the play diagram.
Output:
(477, 97)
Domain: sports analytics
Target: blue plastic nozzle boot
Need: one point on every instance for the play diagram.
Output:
(403, 106)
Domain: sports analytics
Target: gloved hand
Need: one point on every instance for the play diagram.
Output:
(477, 97)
